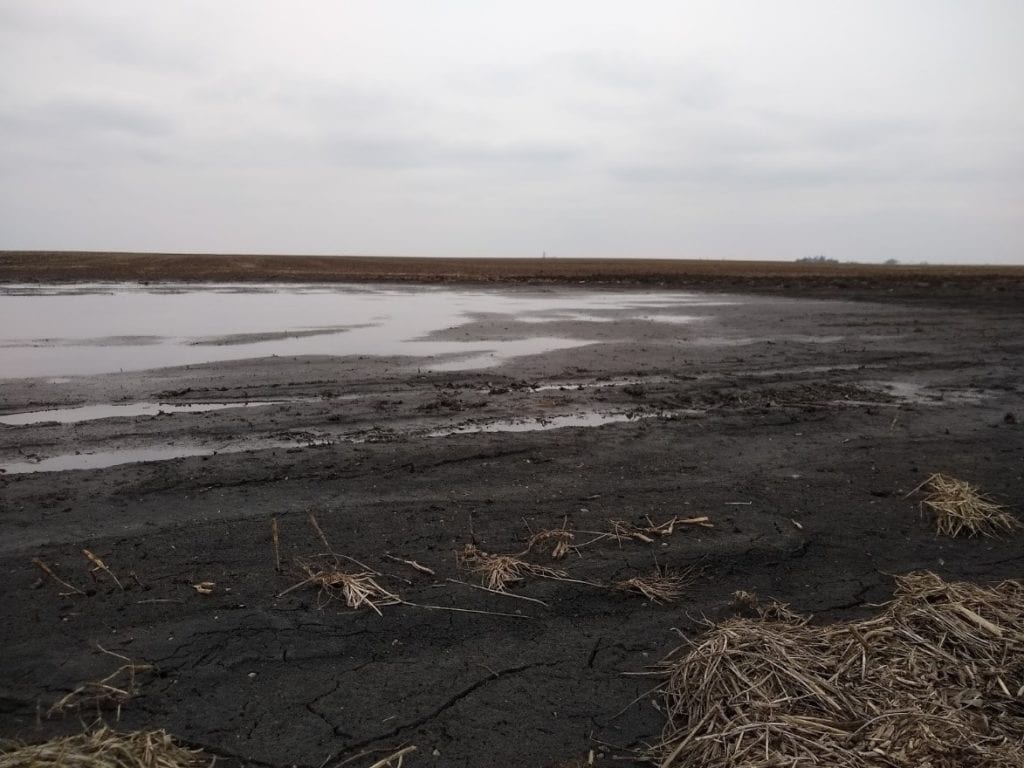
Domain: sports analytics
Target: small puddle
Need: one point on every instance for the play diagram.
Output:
(584, 385)
(921, 394)
(108, 411)
(106, 459)
(592, 419)
(103, 459)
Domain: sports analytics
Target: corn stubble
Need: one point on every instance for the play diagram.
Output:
(661, 586)
(356, 589)
(623, 529)
(960, 509)
(103, 748)
(557, 540)
(499, 572)
(936, 680)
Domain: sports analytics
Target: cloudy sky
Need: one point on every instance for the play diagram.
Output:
(722, 129)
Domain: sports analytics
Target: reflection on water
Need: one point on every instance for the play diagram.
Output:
(588, 419)
(104, 411)
(160, 453)
(88, 329)
(104, 459)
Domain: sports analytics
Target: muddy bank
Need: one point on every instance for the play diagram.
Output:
(796, 427)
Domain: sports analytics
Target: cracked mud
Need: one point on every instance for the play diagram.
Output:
(798, 435)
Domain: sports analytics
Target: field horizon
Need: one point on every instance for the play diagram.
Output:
(50, 266)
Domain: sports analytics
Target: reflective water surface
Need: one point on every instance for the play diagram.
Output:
(105, 411)
(65, 330)
(112, 458)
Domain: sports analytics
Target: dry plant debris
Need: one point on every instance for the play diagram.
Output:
(99, 565)
(935, 680)
(623, 529)
(205, 587)
(661, 586)
(771, 610)
(395, 760)
(558, 540)
(112, 691)
(412, 564)
(103, 748)
(275, 543)
(960, 509)
(498, 572)
(357, 589)
(41, 565)
(319, 531)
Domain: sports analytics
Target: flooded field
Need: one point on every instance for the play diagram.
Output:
(190, 436)
(54, 331)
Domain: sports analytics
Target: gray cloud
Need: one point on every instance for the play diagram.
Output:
(700, 129)
(75, 115)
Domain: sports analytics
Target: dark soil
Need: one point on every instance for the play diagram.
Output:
(930, 284)
(783, 435)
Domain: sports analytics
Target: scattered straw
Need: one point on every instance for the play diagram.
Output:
(104, 748)
(319, 531)
(960, 509)
(395, 760)
(412, 564)
(770, 610)
(935, 680)
(53, 575)
(112, 691)
(99, 565)
(623, 529)
(498, 572)
(661, 586)
(275, 544)
(357, 589)
(502, 593)
(558, 540)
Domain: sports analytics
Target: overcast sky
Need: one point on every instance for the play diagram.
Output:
(721, 129)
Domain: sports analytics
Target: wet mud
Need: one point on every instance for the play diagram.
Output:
(797, 427)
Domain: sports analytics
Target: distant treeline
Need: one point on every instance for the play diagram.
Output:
(827, 260)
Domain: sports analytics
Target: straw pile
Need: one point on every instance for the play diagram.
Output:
(103, 748)
(936, 680)
(498, 572)
(623, 529)
(661, 586)
(356, 589)
(960, 509)
(558, 540)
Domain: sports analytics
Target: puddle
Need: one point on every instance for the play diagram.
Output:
(745, 341)
(590, 419)
(584, 385)
(59, 331)
(106, 411)
(920, 394)
(105, 459)
(298, 441)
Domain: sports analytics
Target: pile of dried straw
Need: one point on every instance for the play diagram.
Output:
(936, 680)
(334, 582)
(960, 509)
(498, 572)
(103, 748)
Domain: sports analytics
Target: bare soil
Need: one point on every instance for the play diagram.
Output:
(783, 433)
(865, 281)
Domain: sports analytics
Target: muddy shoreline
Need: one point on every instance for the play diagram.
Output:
(796, 426)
